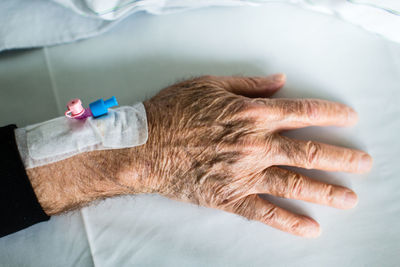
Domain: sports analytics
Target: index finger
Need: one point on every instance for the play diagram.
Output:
(297, 113)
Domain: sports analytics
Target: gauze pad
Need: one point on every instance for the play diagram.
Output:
(60, 138)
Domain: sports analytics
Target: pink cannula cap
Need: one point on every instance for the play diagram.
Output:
(75, 108)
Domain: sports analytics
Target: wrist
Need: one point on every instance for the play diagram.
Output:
(131, 169)
(74, 182)
(67, 161)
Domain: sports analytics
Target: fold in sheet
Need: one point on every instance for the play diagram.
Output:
(23, 23)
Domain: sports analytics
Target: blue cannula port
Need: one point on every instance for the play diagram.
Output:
(100, 107)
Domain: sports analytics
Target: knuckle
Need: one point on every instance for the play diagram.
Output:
(259, 102)
(295, 186)
(250, 82)
(216, 198)
(268, 215)
(312, 151)
(295, 226)
(269, 144)
(328, 193)
(310, 109)
(353, 159)
(244, 207)
(256, 109)
(259, 149)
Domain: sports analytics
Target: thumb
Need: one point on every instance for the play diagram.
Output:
(253, 86)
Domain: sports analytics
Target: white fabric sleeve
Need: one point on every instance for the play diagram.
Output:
(61, 138)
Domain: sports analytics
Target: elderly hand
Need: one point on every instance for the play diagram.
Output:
(214, 141)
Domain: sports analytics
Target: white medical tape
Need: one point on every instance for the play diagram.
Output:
(61, 138)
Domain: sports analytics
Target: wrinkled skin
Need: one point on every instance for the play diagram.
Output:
(215, 142)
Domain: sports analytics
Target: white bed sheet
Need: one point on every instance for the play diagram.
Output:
(322, 56)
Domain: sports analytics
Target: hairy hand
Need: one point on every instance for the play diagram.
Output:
(215, 141)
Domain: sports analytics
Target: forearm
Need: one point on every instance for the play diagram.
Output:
(77, 181)
(73, 162)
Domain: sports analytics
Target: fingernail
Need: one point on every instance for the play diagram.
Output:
(311, 228)
(278, 77)
(350, 199)
(365, 163)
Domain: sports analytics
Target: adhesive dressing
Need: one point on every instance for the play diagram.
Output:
(61, 138)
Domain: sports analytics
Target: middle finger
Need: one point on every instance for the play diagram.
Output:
(314, 155)
(285, 183)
